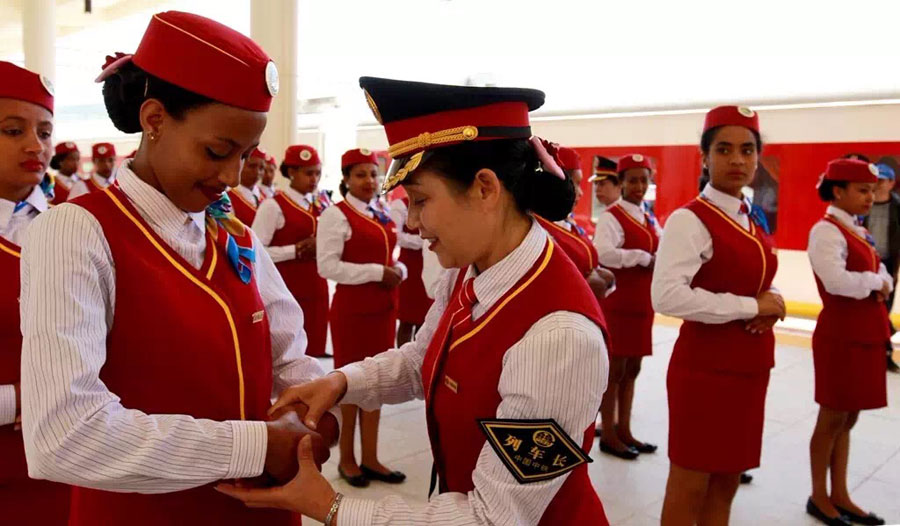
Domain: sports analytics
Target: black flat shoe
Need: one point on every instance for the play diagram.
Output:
(646, 447)
(746, 478)
(814, 510)
(359, 481)
(870, 519)
(629, 453)
(598, 432)
(892, 365)
(394, 477)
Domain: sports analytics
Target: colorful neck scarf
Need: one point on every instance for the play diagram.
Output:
(571, 221)
(377, 210)
(47, 184)
(220, 214)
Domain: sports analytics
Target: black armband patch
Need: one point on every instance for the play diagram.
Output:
(533, 450)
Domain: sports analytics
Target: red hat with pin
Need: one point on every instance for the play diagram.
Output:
(568, 158)
(301, 155)
(22, 84)
(270, 159)
(732, 116)
(634, 160)
(204, 57)
(103, 150)
(358, 156)
(852, 171)
(259, 154)
(66, 147)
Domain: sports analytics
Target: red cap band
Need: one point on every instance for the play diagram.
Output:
(22, 84)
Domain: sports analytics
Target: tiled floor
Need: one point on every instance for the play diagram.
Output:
(632, 492)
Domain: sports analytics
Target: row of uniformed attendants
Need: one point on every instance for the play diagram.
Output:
(146, 329)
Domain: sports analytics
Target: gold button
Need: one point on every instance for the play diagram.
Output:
(470, 132)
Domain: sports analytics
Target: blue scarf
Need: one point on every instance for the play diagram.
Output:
(220, 214)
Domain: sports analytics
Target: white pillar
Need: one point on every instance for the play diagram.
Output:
(39, 36)
(273, 25)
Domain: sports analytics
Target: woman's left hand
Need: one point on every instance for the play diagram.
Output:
(761, 324)
(309, 493)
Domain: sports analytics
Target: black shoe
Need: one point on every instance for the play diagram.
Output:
(598, 432)
(746, 478)
(646, 447)
(814, 510)
(359, 481)
(394, 477)
(870, 519)
(892, 365)
(629, 453)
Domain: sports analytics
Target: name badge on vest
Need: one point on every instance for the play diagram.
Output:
(533, 450)
(258, 316)
(451, 384)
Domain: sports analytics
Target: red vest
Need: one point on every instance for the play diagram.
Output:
(212, 360)
(453, 412)
(301, 277)
(414, 300)
(743, 263)
(848, 319)
(632, 294)
(244, 210)
(370, 242)
(580, 249)
(12, 454)
(60, 191)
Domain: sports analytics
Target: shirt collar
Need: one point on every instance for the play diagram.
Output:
(297, 197)
(493, 283)
(358, 204)
(842, 216)
(248, 193)
(153, 205)
(633, 210)
(36, 200)
(104, 182)
(728, 203)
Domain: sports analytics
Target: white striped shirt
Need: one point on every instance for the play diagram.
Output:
(76, 431)
(557, 370)
(12, 229)
(270, 218)
(827, 251)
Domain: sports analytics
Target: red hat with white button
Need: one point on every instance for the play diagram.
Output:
(732, 116)
(358, 156)
(22, 84)
(852, 171)
(103, 150)
(568, 158)
(259, 154)
(301, 155)
(204, 57)
(66, 147)
(270, 159)
(634, 160)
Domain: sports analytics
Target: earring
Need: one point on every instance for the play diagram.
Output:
(152, 136)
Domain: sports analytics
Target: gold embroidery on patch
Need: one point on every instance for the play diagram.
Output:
(258, 316)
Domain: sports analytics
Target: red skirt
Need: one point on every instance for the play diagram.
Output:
(315, 323)
(716, 419)
(630, 334)
(356, 336)
(414, 301)
(849, 376)
(24, 500)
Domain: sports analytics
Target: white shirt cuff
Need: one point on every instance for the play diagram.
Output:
(356, 384)
(404, 272)
(7, 405)
(646, 259)
(874, 281)
(248, 450)
(749, 307)
(356, 512)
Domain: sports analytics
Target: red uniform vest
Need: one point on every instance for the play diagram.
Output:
(414, 300)
(453, 412)
(580, 249)
(244, 210)
(371, 242)
(632, 294)
(743, 263)
(302, 276)
(60, 191)
(846, 319)
(212, 360)
(23, 500)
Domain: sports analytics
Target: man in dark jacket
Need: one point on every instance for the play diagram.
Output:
(883, 222)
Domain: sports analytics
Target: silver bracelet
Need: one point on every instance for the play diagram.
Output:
(335, 504)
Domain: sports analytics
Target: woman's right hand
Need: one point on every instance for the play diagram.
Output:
(319, 396)
(391, 278)
(771, 304)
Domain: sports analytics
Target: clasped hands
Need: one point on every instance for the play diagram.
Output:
(300, 433)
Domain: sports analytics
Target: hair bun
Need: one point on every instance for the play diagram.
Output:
(123, 94)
